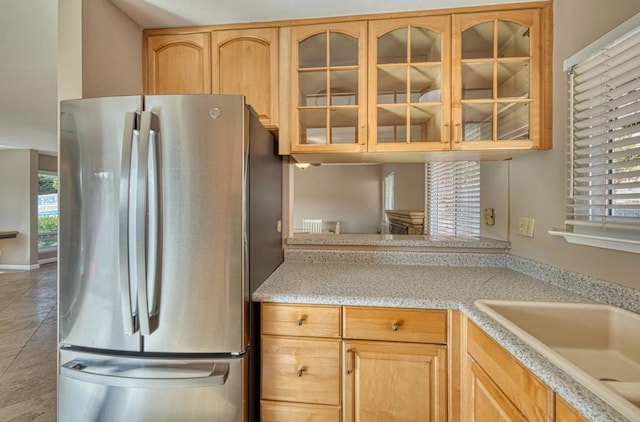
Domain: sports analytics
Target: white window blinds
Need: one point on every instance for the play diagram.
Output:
(604, 128)
(388, 195)
(453, 198)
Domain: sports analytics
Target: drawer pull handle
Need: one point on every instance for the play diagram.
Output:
(395, 326)
(299, 321)
(300, 372)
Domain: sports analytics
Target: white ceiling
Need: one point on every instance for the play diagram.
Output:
(171, 13)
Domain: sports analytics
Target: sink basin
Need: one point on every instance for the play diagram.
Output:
(598, 345)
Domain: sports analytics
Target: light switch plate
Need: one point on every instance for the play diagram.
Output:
(525, 226)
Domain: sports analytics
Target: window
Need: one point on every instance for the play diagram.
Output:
(453, 198)
(603, 206)
(387, 195)
(47, 212)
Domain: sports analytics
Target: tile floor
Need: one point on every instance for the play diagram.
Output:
(28, 345)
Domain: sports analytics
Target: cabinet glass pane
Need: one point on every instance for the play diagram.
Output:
(426, 83)
(313, 51)
(392, 47)
(392, 85)
(313, 88)
(513, 80)
(392, 124)
(343, 50)
(313, 126)
(477, 81)
(513, 121)
(425, 123)
(344, 126)
(425, 45)
(344, 87)
(477, 122)
(477, 41)
(513, 39)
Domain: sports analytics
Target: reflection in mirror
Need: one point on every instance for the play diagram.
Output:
(352, 194)
(356, 196)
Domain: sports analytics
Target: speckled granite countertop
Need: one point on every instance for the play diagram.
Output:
(436, 287)
(392, 240)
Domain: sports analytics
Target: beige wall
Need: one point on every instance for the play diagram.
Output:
(350, 194)
(28, 74)
(69, 49)
(111, 51)
(48, 163)
(494, 193)
(18, 190)
(408, 187)
(537, 181)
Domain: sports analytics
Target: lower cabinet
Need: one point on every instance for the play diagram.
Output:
(386, 381)
(566, 413)
(349, 363)
(300, 361)
(332, 363)
(499, 384)
(294, 412)
(394, 364)
(488, 401)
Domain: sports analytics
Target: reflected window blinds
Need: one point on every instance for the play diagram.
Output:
(453, 198)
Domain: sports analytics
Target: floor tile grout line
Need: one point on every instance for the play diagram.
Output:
(53, 308)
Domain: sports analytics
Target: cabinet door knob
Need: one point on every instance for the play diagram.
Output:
(395, 326)
(300, 320)
(300, 372)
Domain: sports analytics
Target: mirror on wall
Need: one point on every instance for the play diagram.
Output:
(351, 198)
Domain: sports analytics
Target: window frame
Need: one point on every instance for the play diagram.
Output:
(590, 216)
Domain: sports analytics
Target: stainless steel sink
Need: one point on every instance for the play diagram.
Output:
(598, 345)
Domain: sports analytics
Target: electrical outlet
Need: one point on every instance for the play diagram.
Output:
(525, 226)
(489, 216)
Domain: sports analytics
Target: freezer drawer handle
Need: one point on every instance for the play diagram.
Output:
(103, 374)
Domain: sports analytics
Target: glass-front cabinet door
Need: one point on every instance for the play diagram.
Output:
(496, 80)
(409, 84)
(328, 88)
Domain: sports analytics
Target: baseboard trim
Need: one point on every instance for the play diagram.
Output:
(19, 267)
(48, 260)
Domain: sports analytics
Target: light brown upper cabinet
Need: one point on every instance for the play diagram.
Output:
(497, 81)
(328, 88)
(409, 84)
(178, 63)
(234, 61)
(246, 62)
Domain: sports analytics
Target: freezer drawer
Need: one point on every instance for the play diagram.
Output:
(105, 388)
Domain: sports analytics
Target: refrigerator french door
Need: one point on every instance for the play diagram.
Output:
(164, 201)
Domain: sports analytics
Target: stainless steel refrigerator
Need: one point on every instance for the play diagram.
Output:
(170, 209)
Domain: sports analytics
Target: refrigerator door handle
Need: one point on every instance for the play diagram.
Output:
(153, 238)
(141, 197)
(128, 317)
(160, 376)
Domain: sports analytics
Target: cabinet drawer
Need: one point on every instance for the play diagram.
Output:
(409, 325)
(301, 370)
(295, 412)
(301, 320)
